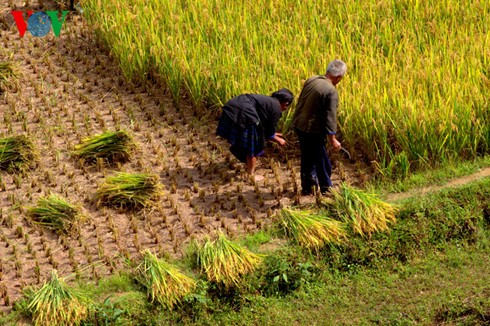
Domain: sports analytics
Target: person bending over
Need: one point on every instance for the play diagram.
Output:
(248, 120)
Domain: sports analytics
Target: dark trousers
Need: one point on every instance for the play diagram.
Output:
(315, 164)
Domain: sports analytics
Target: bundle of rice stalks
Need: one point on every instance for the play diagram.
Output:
(309, 229)
(128, 190)
(163, 282)
(6, 72)
(55, 303)
(223, 261)
(16, 153)
(55, 213)
(364, 211)
(116, 146)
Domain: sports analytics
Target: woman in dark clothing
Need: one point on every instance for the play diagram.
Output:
(248, 120)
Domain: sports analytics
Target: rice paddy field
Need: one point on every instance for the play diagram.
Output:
(108, 153)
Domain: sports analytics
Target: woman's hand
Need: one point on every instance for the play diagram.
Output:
(278, 139)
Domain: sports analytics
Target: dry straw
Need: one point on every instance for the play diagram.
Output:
(164, 283)
(222, 260)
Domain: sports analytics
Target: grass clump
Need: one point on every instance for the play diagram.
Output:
(222, 260)
(163, 282)
(55, 303)
(128, 190)
(54, 212)
(311, 230)
(365, 212)
(111, 146)
(16, 153)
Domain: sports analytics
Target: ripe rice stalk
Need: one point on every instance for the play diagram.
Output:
(54, 212)
(222, 260)
(17, 153)
(7, 71)
(409, 111)
(129, 190)
(111, 146)
(365, 212)
(309, 229)
(56, 303)
(164, 283)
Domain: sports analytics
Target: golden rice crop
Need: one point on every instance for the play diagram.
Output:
(55, 212)
(128, 190)
(112, 146)
(56, 303)
(310, 229)
(17, 152)
(416, 90)
(164, 283)
(222, 260)
(365, 212)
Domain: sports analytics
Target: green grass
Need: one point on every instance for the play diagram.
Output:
(439, 176)
(425, 292)
(432, 267)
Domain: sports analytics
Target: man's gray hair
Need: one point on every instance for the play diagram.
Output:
(337, 68)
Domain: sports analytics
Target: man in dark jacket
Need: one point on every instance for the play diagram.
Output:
(314, 119)
(249, 119)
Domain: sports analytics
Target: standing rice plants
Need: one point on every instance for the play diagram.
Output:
(422, 106)
(128, 190)
(111, 146)
(311, 230)
(222, 260)
(54, 212)
(17, 153)
(163, 282)
(363, 211)
(56, 303)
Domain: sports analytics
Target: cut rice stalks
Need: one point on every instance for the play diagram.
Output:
(311, 230)
(129, 190)
(222, 260)
(17, 153)
(111, 146)
(54, 212)
(7, 72)
(56, 303)
(365, 212)
(164, 283)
